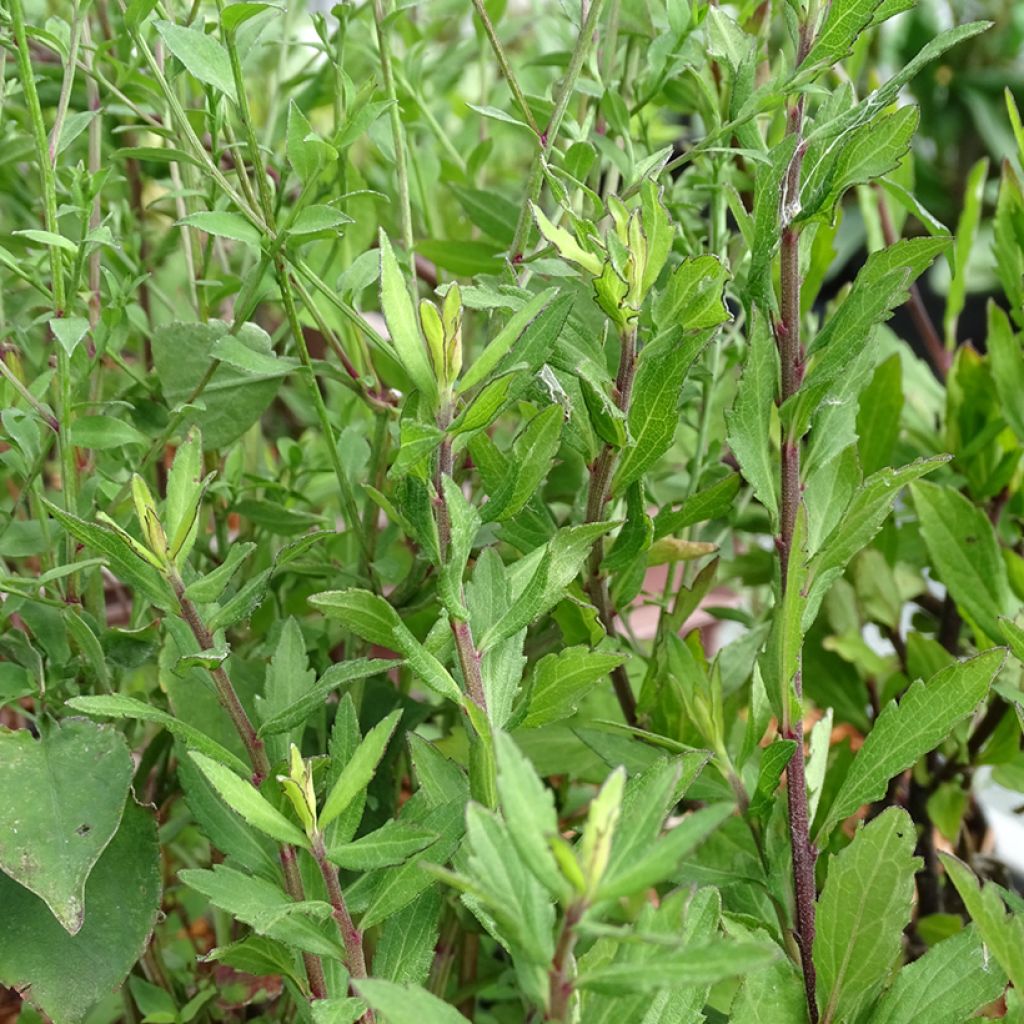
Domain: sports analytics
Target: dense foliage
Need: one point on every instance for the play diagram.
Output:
(511, 511)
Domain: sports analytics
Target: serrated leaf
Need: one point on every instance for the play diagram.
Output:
(749, 422)
(963, 548)
(393, 843)
(532, 452)
(403, 325)
(405, 949)
(711, 503)
(561, 680)
(201, 54)
(863, 909)
(245, 798)
(907, 731)
(951, 982)
(116, 705)
(357, 773)
(845, 20)
(653, 413)
(407, 1004)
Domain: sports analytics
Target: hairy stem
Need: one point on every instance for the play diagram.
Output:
(226, 692)
(581, 51)
(597, 498)
(351, 937)
(560, 983)
(791, 354)
(293, 886)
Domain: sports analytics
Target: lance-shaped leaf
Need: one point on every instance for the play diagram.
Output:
(554, 568)
(907, 731)
(653, 413)
(749, 422)
(844, 22)
(246, 799)
(202, 54)
(357, 773)
(117, 705)
(1001, 931)
(1007, 361)
(863, 518)
(947, 985)
(963, 547)
(403, 324)
(407, 1004)
(863, 909)
(64, 795)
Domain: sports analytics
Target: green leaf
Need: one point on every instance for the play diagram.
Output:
(713, 502)
(907, 731)
(116, 705)
(245, 798)
(702, 964)
(207, 589)
(963, 548)
(966, 236)
(693, 299)
(774, 995)
(660, 861)
(768, 183)
(950, 983)
(556, 566)
(66, 976)
(233, 399)
(48, 238)
(529, 810)
(201, 54)
(844, 22)
(64, 795)
(406, 1004)
(567, 246)
(405, 949)
(749, 422)
(224, 225)
(561, 680)
(774, 759)
(532, 452)
(1001, 931)
(104, 432)
(307, 152)
(863, 518)
(264, 907)
(356, 775)
(372, 618)
(1007, 361)
(505, 339)
(403, 325)
(299, 710)
(69, 331)
(653, 413)
(392, 843)
(288, 680)
(862, 911)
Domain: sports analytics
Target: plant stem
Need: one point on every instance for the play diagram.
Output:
(293, 886)
(584, 43)
(787, 331)
(597, 498)
(351, 937)
(560, 986)
(398, 137)
(506, 68)
(226, 693)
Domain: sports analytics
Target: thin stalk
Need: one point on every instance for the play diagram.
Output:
(69, 469)
(597, 498)
(560, 982)
(41, 411)
(462, 633)
(791, 355)
(398, 137)
(506, 67)
(226, 692)
(77, 21)
(351, 937)
(293, 886)
(581, 51)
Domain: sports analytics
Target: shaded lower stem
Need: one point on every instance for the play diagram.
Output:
(597, 497)
(560, 983)
(351, 936)
(293, 886)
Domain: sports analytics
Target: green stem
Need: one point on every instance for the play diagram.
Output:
(506, 68)
(581, 51)
(398, 137)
